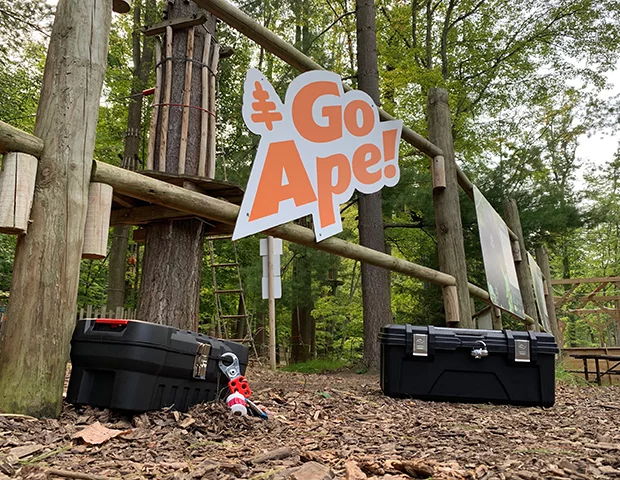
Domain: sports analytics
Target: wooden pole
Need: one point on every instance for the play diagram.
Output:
(162, 193)
(42, 306)
(542, 258)
(17, 180)
(204, 122)
(156, 100)
(212, 108)
(524, 275)
(447, 205)
(97, 222)
(163, 142)
(14, 140)
(272, 304)
(186, 100)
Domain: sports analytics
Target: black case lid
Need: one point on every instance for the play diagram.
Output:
(441, 338)
(137, 332)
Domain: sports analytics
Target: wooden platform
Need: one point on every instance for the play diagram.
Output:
(131, 211)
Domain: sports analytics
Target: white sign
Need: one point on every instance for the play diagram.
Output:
(316, 148)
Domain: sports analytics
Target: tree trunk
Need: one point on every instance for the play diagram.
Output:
(142, 61)
(375, 281)
(301, 318)
(171, 272)
(450, 246)
(170, 295)
(42, 307)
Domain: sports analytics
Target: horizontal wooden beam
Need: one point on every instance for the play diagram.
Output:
(575, 281)
(15, 140)
(593, 298)
(184, 22)
(151, 190)
(594, 311)
(145, 214)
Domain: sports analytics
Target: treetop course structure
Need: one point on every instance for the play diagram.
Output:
(73, 194)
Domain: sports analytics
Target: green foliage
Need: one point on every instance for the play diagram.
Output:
(317, 365)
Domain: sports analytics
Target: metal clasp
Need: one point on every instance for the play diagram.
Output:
(420, 345)
(480, 351)
(233, 370)
(201, 360)
(522, 351)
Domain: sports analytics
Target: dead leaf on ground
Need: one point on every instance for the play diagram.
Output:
(96, 434)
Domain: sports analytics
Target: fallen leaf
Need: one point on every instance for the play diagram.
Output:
(96, 434)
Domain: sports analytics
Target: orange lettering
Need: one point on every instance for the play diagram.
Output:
(326, 189)
(302, 113)
(282, 157)
(361, 164)
(350, 118)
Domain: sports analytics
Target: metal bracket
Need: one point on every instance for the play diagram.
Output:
(201, 361)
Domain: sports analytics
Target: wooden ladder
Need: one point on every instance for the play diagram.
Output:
(222, 317)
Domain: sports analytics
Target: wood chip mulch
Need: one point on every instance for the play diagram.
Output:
(328, 426)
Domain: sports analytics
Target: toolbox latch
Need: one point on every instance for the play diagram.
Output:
(420, 345)
(201, 360)
(522, 350)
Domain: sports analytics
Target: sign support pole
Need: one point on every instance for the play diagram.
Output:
(272, 304)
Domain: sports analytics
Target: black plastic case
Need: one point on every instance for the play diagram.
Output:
(458, 365)
(139, 366)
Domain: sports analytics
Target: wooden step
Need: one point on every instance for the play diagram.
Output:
(218, 292)
(233, 264)
(234, 316)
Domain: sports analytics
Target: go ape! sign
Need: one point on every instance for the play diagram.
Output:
(316, 148)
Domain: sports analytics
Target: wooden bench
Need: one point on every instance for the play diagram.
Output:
(597, 358)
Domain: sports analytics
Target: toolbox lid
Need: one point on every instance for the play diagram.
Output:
(424, 340)
(137, 332)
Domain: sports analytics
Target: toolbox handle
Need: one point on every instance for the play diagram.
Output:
(107, 325)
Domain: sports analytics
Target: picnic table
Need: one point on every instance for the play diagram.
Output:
(612, 370)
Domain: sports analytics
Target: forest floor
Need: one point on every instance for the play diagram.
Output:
(336, 425)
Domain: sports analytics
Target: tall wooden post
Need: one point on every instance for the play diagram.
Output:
(524, 275)
(41, 313)
(448, 209)
(542, 257)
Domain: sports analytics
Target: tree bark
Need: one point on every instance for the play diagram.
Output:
(171, 272)
(375, 281)
(301, 318)
(524, 274)
(42, 307)
(142, 61)
(450, 246)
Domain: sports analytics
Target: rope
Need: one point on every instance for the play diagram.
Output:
(184, 59)
(184, 106)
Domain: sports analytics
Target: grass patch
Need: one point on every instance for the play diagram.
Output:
(568, 378)
(317, 365)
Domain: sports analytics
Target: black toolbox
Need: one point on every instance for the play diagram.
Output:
(459, 365)
(139, 366)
